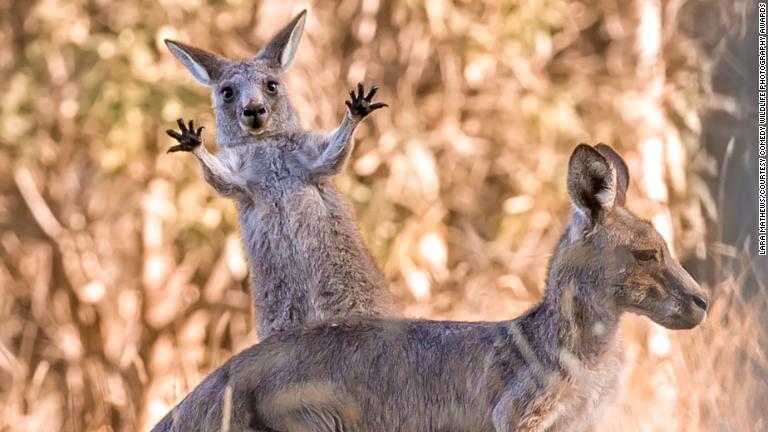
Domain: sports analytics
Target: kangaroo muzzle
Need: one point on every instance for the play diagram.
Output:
(254, 118)
(691, 299)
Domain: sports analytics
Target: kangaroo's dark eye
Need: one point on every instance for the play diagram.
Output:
(271, 87)
(645, 255)
(228, 94)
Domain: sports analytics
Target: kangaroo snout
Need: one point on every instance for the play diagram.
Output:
(693, 300)
(693, 313)
(700, 301)
(254, 117)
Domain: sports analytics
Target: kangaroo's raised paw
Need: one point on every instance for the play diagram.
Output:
(360, 104)
(188, 139)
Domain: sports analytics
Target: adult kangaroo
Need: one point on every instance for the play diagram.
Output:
(307, 259)
(553, 369)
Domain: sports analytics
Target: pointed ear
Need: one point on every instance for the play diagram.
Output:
(622, 172)
(205, 66)
(280, 51)
(591, 182)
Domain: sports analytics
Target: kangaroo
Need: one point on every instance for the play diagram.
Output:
(555, 368)
(307, 259)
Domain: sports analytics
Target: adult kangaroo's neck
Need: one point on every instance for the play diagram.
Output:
(585, 317)
(574, 336)
(584, 331)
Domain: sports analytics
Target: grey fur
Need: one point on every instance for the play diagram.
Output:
(553, 369)
(307, 259)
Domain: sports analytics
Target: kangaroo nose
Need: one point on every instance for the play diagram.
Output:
(255, 110)
(699, 301)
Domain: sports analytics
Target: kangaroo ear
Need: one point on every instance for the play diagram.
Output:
(205, 66)
(591, 182)
(622, 172)
(280, 51)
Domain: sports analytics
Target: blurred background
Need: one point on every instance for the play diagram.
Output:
(122, 281)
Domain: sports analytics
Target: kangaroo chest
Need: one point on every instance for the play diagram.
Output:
(284, 236)
(578, 400)
(291, 243)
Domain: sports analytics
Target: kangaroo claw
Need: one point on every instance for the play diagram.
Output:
(188, 139)
(360, 104)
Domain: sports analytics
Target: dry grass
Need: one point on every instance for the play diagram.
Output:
(121, 277)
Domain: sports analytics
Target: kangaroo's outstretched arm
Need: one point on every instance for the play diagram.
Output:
(332, 152)
(325, 155)
(219, 174)
(217, 171)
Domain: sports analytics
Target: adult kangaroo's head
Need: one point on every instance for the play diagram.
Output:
(623, 260)
(248, 96)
